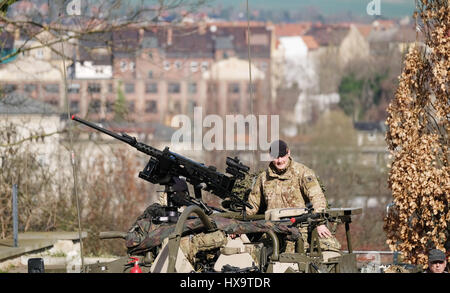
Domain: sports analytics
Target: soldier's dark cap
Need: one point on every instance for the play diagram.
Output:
(278, 148)
(436, 255)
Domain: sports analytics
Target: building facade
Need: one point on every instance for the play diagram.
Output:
(151, 73)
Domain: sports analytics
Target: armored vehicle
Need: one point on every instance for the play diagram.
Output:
(203, 244)
(187, 235)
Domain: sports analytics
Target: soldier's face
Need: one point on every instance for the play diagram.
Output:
(282, 162)
(437, 266)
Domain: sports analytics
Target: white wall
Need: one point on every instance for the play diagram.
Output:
(87, 70)
(298, 64)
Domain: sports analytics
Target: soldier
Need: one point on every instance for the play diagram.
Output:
(437, 261)
(287, 184)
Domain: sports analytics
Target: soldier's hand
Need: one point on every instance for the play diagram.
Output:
(323, 231)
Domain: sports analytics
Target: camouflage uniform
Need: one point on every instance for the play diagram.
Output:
(293, 187)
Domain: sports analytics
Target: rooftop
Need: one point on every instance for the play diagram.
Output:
(19, 104)
(370, 126)
(328, 35)
(291, 29)
(195, 41)
(310, 42)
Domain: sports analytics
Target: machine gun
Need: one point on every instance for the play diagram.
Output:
(166, 168)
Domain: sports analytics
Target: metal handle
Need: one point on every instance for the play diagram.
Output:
(174, 238)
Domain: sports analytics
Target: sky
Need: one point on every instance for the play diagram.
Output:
(357, 8)
(388, 8)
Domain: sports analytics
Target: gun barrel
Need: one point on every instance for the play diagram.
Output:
(128, 140)
(112, 235)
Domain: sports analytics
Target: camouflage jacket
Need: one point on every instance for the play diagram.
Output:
(293, 187)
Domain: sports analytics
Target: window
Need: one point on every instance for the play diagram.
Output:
(94, 88)
(235, 106)
(9, 88)
(233, 88)
(129, 88)
(252, 87)
(177, 107)
(73, 88)
(192, 87)
(191, 105)
(194, 66)
(212, 88)
(204, 66)
(263, 66)
(110, 88)
(94, 105)
(178, 64)
(372, 136)
(166, 65)
(123, 66)
(53, 102)
(74, 106)
(151, 87)
(29, 88)
(132, 66)
(109, 106)
(40, 53)
(131, 106)
(150, 74)
(51, 88)
(174, 88)
(151, 106)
